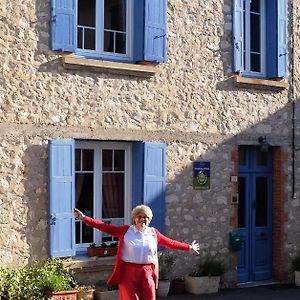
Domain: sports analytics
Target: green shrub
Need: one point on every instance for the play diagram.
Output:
(31, 282)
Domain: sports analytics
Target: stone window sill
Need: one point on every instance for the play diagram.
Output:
(255, 83)
(84, 263)
(75, 63)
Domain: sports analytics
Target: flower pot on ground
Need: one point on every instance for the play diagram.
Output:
(63, 295)
(296, 268)
(59, 287)
(202, 284)
(166, 261)
(106, 293)
(206, 278)
(102, 250)
(85, 292)
(178, 285)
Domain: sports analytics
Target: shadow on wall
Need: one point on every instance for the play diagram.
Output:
(206, 208)
(35, 184)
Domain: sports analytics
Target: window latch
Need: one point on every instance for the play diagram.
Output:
(159, 36)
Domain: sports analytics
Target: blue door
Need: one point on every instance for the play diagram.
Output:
(255, 214)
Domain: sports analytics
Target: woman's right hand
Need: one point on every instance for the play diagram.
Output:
(79, 215)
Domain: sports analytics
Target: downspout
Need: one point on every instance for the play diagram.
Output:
(291, 96)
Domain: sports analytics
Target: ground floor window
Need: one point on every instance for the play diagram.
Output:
(102, 187)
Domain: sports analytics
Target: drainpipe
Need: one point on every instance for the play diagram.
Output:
(291, 95)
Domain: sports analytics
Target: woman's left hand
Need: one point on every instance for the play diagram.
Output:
(195, 246)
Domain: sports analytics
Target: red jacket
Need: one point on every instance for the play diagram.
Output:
(119, 232)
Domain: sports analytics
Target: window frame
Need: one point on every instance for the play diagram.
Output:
(98, 146)
(247, 45)
(99, 35)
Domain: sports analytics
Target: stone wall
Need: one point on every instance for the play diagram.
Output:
(191, 104)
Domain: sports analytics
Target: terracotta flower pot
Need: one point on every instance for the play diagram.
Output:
(63, 295)
(102, 251)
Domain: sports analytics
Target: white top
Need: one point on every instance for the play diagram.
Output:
(139, 247)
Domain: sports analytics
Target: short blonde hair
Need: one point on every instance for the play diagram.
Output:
(142, 209)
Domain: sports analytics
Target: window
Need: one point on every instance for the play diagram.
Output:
(104, 28)
(260, 38)
(102, 188)
(105, 180)
(116, 30)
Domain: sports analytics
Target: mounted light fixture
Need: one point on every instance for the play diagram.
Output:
(264, 145)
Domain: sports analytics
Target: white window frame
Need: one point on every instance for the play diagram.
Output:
(246, 32)
(98, 147)
(99, 38)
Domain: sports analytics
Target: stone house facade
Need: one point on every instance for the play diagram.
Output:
(206, 90)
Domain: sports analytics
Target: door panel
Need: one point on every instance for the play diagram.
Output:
(255, 215)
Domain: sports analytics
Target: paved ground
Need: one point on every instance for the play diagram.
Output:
(269, 292)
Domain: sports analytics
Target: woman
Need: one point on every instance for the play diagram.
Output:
(136, 268)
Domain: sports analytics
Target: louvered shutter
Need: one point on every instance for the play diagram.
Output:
(155, 36)
(63, 25)
(61, 198)
(238, 41)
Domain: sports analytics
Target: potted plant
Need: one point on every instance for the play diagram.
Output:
(55, 281)
(206, 278)
(296, 268)
(85, 292)
(166, 261)
(58, 287)
(178, 285)
(105, 249)
(107, 293)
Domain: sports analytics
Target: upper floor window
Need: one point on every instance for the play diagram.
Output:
(260, 38)
(116, 30)
(254, 37)
(104, 28)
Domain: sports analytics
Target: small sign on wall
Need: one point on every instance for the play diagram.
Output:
(201, 175)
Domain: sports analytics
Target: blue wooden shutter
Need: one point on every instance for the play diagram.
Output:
(154, 182)
(276, 35)
(238, 31)
(63, 25)
(282, 49)
(155, 30)
(137, 173)
(139, 25)
(61, 198)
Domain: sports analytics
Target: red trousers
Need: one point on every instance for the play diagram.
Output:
(137, 282)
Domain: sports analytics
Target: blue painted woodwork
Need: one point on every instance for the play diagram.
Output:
(63, 25)
(238, 41)
(276, 37)
(255, 256)
(148, 184)
(154, 182)
(155, 30)
(61, 198)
